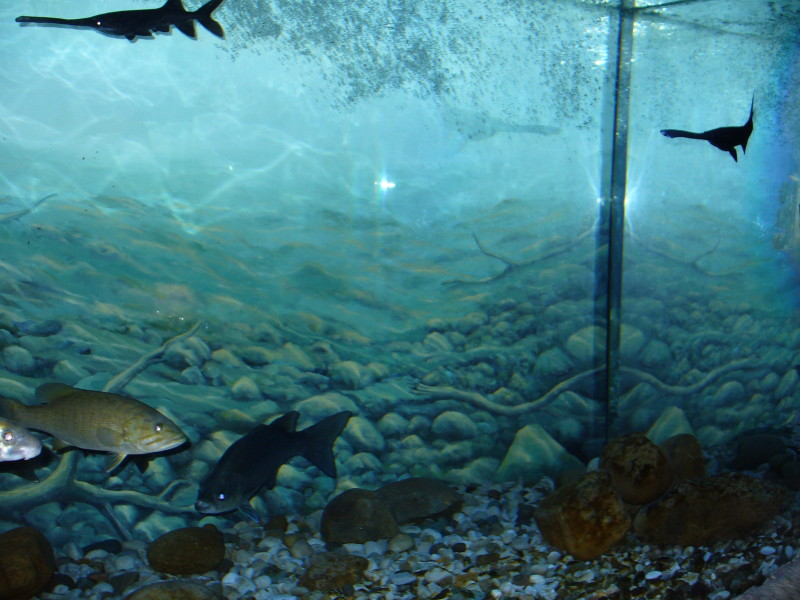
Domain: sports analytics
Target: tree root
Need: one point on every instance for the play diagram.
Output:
(481, 401)
(62, 486)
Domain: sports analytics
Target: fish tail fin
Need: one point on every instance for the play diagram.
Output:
(319, 441)
(203, 15)
(10, 409)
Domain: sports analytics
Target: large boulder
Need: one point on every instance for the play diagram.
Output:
(701, 511)
(639, 469)
(27, 563)
(187, 551)
(585, 517)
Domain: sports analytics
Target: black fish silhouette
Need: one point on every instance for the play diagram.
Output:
(724, 138)
(252, 462)
(143, 23)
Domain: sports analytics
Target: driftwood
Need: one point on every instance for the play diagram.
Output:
(783, 584)
(482, 401)
(513, 266)
(61, 484)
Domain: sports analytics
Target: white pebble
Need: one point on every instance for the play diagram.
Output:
(536, 579)
(231, 579)
(375, 547)
(436, 575)
(401, 542)
(402, 578)
(263, 581)
(653, 575)
(97, 554)
(553, 557)
(60, 589)
(540, 569)
(124, 562)
(789, 550)
(103, 587)
(767, 550)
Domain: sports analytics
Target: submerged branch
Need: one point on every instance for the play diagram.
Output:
(513, 266)
(478, 399)
(62, 486)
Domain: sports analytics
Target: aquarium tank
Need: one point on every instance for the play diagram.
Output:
(399, 299)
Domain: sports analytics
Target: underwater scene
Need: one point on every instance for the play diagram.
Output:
(399, 299)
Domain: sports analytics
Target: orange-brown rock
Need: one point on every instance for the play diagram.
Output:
(333, 570)
(27, 563)
(419, 498)
(187, 551)
(701, 511)
(357, 516)
(685, 455)
(585, 518)
(639, 469)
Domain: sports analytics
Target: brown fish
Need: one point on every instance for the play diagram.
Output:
(96, 421)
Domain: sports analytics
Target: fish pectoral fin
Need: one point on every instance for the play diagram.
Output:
(187, 28)
(110, 438)
(59, 445)
(250, 512)
(733, 154)
(115, 462)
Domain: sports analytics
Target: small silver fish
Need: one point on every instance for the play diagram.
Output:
(96, 421)
(17, 443)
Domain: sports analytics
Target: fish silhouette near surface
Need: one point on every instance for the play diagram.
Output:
(18, 214)
(252, 462)
(724, 138)
(96, 421)
(144, 22)
(17, 443)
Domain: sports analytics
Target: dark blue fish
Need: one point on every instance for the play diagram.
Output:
(143, 23)
(252, 462)
(724, 138)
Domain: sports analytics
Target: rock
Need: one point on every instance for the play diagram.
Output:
(631, 343)
(730, 393)
(192, 376)
(587, 343)
(245, 389)
(787, 384)
(685, 454)
(67, 372)
(754, 449)
(585, 517)
(419, 498)
(38, 328)
(700, 511)
(655, 354)
(329, 571)
(639, 469)
(318, 407)
(670, 423)
(187, 551)
(175, 590)
(534, 454)
(225, 357)
(18, 360)
(357, 516)
(552, 364)
(350, 375)
(27, 563)
(363, 435)
(436, 342)
(392, 425)
(452, 425)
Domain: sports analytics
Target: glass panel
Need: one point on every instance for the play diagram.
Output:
(710, 281)
(389, 209)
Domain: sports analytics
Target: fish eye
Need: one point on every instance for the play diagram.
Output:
(158, 427)
(220, 496)
(8, 436)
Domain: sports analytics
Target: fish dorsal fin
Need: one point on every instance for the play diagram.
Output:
(47, 392)
(176, 5)
(287, 422)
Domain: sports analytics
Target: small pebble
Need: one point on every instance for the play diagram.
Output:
(653, 575)
(767, 550)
